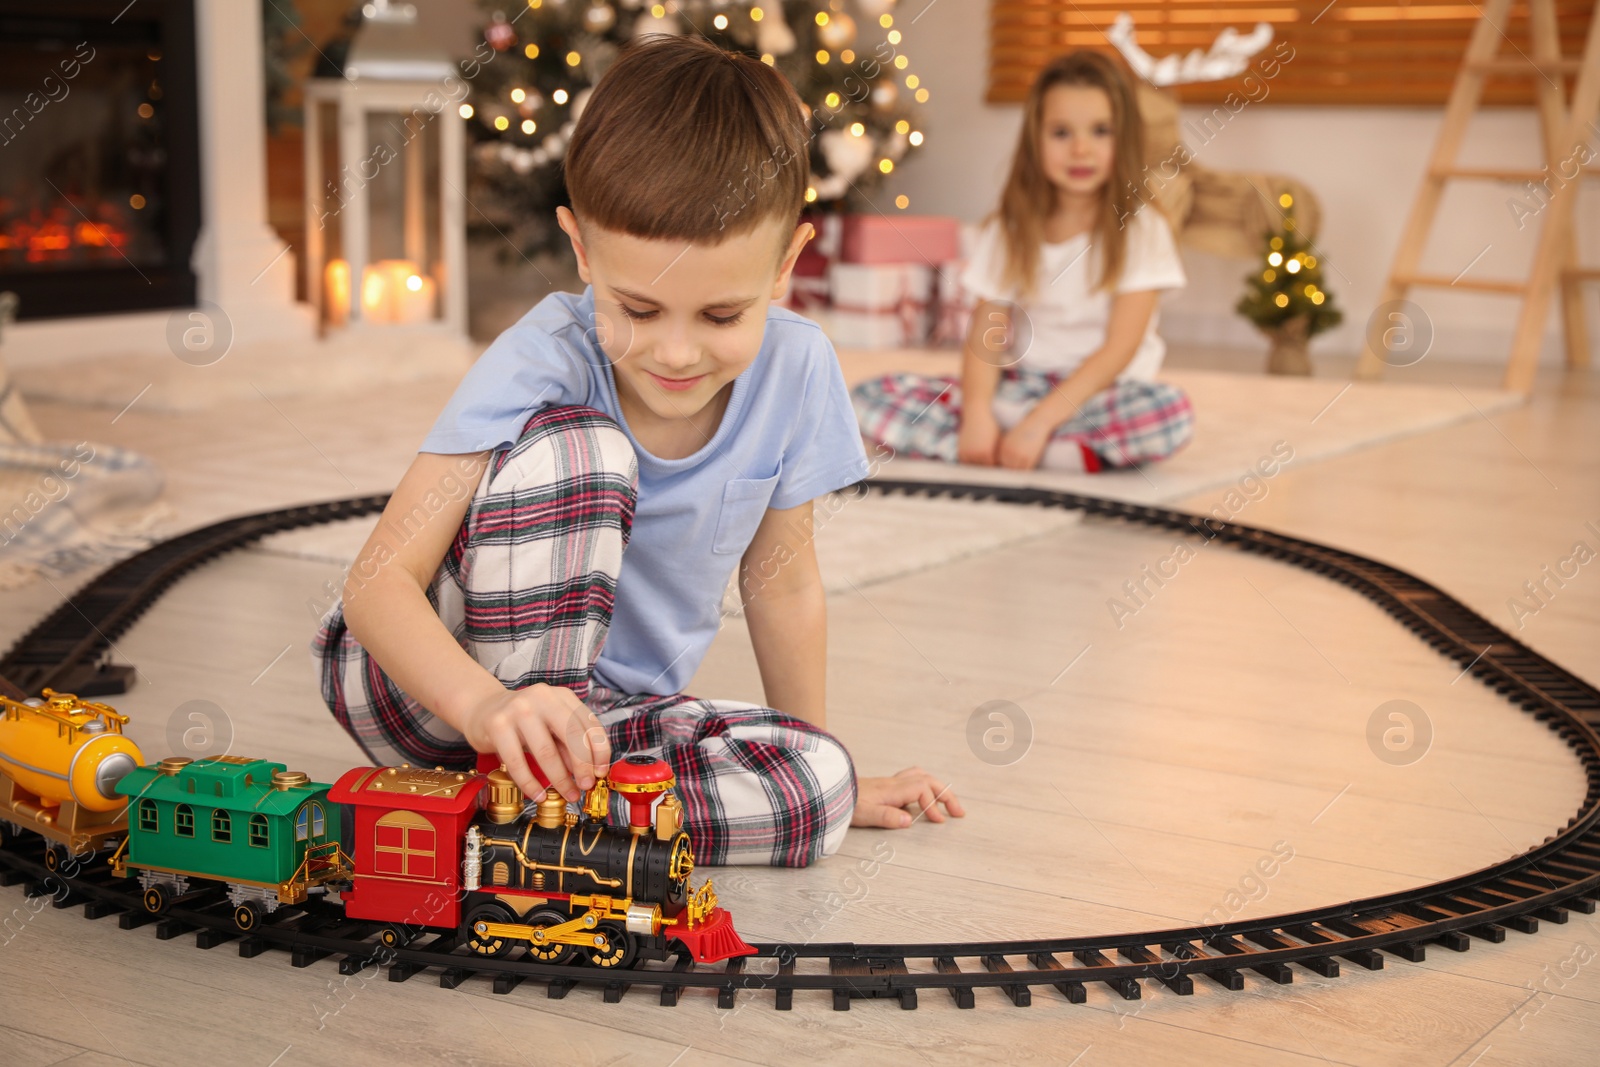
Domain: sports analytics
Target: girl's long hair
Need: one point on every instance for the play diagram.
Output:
(1029, 195)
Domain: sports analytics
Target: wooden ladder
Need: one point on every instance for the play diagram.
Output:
(1564, 132)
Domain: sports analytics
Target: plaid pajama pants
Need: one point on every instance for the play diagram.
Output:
(1124, 425)
(527, 589)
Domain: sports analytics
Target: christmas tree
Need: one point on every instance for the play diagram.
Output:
(1289, 282)
(843, 57)
(1286, 299)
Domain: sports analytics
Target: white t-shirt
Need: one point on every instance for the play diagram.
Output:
(1066, 320)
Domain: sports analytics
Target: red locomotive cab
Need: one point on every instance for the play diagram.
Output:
(406, 843)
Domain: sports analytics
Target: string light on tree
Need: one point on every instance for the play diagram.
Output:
(842, 56)
(1285, 297)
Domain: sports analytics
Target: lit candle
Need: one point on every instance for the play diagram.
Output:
(416, 299)
(336, 292)
(395, 291)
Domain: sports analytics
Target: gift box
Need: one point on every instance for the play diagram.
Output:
(866, 329)
(807, 293)
(953, 306)
(923, 239)
(808, 282)
(880, 305)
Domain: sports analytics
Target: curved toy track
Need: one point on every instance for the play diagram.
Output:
(67, 651)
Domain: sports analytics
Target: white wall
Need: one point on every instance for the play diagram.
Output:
(1364, 163)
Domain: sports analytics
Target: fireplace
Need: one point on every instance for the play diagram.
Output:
(99, 155)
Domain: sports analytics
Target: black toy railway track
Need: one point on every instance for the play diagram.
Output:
(68, 649)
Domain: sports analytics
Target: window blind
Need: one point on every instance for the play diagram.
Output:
(1350, 52)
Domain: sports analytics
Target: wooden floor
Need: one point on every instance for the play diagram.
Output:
(1225, 719)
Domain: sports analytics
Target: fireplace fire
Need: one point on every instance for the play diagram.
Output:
(99, 160)
(75, 237)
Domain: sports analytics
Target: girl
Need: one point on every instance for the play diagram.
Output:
(1059, 362)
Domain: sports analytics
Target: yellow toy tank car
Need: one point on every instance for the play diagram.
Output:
(60, 761)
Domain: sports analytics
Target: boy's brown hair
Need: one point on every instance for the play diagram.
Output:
(683, 140)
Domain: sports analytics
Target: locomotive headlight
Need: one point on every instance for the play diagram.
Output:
(644, 919)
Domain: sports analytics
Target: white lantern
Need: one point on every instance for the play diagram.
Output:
(385, 181)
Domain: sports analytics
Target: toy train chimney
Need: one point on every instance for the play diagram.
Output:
(642, 779)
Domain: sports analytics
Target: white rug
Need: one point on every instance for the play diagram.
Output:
(66, 508)
(343, 362)
(858, 541)
(1246, 420)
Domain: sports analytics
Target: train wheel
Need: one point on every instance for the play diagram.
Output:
(394, 937)
(55, 858)
(617, 950)
(156, 899)
(479, 940)
(247, 916)
(554, 952)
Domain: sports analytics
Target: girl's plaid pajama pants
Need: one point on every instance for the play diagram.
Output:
(1124, 425)
(527, 589)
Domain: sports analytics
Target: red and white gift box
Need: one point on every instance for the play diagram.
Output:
(878, 281)
(952, 308)
(808, 283)
(880, 305)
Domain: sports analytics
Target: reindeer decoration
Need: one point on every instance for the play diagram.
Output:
(1221, 212)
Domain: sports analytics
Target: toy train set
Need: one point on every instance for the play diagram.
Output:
(69, 650)
(415, 850)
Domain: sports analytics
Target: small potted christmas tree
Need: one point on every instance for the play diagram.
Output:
(1286, 299)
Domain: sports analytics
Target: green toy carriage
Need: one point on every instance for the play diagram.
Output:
(268, 834)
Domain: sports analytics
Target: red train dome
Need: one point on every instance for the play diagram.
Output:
(642, 779)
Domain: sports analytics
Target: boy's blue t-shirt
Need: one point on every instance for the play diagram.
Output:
(788, 435)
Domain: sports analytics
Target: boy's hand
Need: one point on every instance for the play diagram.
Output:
(881, 802)
(550, 722)
(978, 439)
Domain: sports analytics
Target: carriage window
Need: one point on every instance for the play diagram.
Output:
(149, 820)
(221, 827)
(319, 825)
(300, 825)
(185, 821)
(258, 831)
(403, 844)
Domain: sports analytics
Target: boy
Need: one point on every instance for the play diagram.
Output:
(667, 409)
